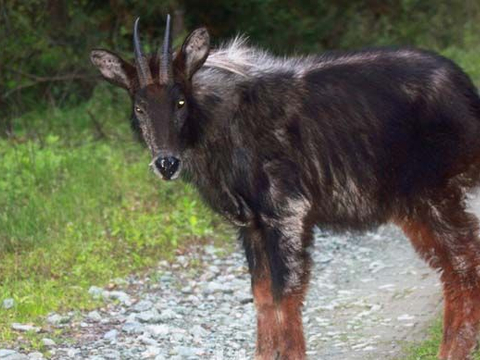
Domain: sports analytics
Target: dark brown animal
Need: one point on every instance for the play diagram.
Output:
(344, 140)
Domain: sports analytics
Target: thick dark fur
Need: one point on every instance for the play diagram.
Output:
(345, 141)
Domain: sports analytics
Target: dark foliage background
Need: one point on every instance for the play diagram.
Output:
(44, 45)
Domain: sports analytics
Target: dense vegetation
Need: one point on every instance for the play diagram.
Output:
(45, 44)
(78, 206)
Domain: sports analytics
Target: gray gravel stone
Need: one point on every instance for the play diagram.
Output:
(25, 327)
(142, 305)
(48, 342)
(111, 335)
(149, 316)
(132, 327)
(6, 354)
(168, 314)
(117, 295)
(94, 316)
(8, 303)
(158, 331)
(56, 319)
(96, 292)
(112, 354)
(71, 352)
(35, 355)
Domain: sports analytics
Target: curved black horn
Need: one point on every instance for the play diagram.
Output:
(166, 55)
(143, 70)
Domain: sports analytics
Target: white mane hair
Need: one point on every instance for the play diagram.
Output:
(238, 57)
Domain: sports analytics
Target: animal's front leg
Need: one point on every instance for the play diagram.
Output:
(279, 264)
(267, 346)
(279, 321)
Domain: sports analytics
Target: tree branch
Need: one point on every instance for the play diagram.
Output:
(42, 79)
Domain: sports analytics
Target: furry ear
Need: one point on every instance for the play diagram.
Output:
(114, 68)
(194, 52)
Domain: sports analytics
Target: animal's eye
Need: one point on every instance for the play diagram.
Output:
(138, 110)
(180, 103)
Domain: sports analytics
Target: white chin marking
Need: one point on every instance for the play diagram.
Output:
(176, 175)
(173, 177)
(155, 170)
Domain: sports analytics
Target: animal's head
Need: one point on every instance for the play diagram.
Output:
(160, 88)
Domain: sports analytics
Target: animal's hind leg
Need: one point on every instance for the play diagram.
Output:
(445, 235)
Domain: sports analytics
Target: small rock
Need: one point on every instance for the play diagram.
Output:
(6, 354)
(117, 295)
(158, 330)
(168, 314)
(215, 287)
(25, 327)
(187, 352)
(96, 292)
(72, 352)
(56, 319)
(211, 250)
(150, 316)
(147, 340)
(151, 352)
(8, 303)
(214, 269)
(35, 355)
(143, 305)
(187, 290)
(111, 354)
(48, 342)
(94, 316)
(111, 335)
(198, 331)
(132, 327)
(405, 317)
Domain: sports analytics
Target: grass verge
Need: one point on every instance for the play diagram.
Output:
(428, 349)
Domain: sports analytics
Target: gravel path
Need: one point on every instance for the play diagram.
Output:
(367, 296)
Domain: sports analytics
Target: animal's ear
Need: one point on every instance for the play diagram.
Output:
(114, 68)
(193, 53)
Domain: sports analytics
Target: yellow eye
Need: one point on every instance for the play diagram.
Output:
(180, 103)
(138, 110)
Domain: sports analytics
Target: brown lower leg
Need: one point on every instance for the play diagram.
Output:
(458, 259)
(279, 324)
(267, 327)
(292, 341)
(462, 314)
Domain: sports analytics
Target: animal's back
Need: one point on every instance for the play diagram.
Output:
(390, 125)
(366, 130)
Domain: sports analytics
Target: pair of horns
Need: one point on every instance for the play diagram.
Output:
(143, 69)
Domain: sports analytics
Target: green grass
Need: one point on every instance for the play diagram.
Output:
(76, 212)
(428, 349)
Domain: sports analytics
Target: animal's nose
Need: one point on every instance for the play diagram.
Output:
(167, 166)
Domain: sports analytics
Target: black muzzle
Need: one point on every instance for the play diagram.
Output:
(167, 166)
